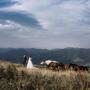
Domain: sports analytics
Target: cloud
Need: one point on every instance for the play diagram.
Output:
(13, 34)
(21, 18)
(9, 25)
(47, 10)
(47, 23)
(6, 3)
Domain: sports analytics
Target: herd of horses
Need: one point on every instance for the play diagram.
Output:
(55, 65)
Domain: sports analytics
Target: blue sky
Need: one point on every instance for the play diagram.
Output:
(45, 23)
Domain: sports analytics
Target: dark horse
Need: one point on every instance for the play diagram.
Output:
(83, 68)
(76, 67)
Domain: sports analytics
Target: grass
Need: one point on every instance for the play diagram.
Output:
(16, 77)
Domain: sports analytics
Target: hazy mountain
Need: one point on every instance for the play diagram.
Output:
(66, 55)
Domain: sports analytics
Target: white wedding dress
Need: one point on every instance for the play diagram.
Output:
(30, 64)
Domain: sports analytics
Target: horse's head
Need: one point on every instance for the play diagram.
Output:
(43, 62)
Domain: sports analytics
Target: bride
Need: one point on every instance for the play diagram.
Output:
(29, 63)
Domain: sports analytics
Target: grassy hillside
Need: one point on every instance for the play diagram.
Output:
(16, 77)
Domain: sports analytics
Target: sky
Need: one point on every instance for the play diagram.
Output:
(44, 24)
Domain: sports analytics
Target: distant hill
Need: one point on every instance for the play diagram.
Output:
(66, 55)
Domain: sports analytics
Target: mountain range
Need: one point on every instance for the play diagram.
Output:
(66, 55)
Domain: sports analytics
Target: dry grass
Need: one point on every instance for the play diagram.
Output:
(44, 79)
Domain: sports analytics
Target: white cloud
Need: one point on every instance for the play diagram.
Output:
(9, 25)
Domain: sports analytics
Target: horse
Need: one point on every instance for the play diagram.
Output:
(83, 68)
(53, 65)
(74, 67)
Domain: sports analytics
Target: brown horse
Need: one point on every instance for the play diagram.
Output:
(57, 66)
(53, 65)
